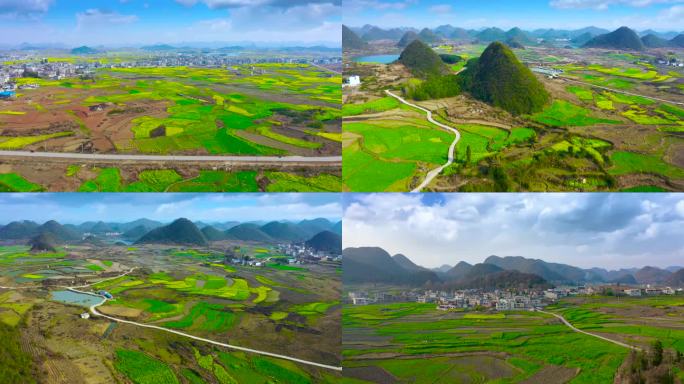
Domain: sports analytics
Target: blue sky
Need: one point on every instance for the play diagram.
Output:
(610, 230)
(215, 207)
(125, 22)
(660, 15)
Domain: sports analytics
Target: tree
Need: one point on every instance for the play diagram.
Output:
(468, 155)
(657, 350)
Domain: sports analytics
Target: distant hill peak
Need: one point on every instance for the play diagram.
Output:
(622, 38)
(420, 59)
(181, 231)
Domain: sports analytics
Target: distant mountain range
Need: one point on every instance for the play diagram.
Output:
(375, 265)
(320, 233)
(619, 39)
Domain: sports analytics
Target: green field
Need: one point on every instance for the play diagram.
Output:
(630, 162)
(387, 156)
(380, 105)
(564, 114)
(168, 180)
(143, 369)
(519, 345)
(12, 182)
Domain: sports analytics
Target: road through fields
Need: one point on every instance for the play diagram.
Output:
(171, 158)
(561, 318)
(432, 174)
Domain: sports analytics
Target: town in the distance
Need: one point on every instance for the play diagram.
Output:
(510, 283)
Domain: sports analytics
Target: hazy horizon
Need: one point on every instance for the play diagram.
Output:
(76, 208)
(659, 15)
(147, 22)
(611, 231)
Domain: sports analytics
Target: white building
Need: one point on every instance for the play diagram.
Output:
(352, 81)
(85, 315)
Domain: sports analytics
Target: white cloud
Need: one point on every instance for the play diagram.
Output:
(605, 4)
(102, 18)
(441, 8)
(586, 230)
(14, 8)
(380, 5)
(221, 4)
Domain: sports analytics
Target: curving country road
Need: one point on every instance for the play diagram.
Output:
(173, 158)
(432, 174)
(561, 318)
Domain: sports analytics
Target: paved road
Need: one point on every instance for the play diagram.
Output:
(326, 69)
(432, 174)
(623, 92)
(123, 157)
(561, 318)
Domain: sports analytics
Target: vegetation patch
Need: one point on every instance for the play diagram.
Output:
(564, 114)
(143, 369)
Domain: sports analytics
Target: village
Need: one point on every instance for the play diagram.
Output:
(28, 66)
(504, 300)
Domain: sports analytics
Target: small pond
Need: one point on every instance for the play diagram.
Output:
(70, 297)
(381, 59)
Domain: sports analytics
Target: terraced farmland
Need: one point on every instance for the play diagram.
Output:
(392, 342)
(288, 311)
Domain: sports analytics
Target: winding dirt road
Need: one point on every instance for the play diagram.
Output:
(432, 174)
(561, 318)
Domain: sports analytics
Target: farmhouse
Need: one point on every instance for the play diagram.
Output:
(352, 81)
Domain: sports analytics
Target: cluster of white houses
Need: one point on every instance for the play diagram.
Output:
(502, 300)
(21, 66)
(292, 253)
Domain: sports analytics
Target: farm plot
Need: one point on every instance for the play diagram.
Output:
(387, 153)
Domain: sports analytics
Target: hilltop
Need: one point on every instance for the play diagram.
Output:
(653, 41)
(45, 242)
(621, 38)
(351, 40)
(421, 60)
(408, 38)
(84, 50)
(373, 264)
(181, 231)
(326, 241)
(500, 79)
